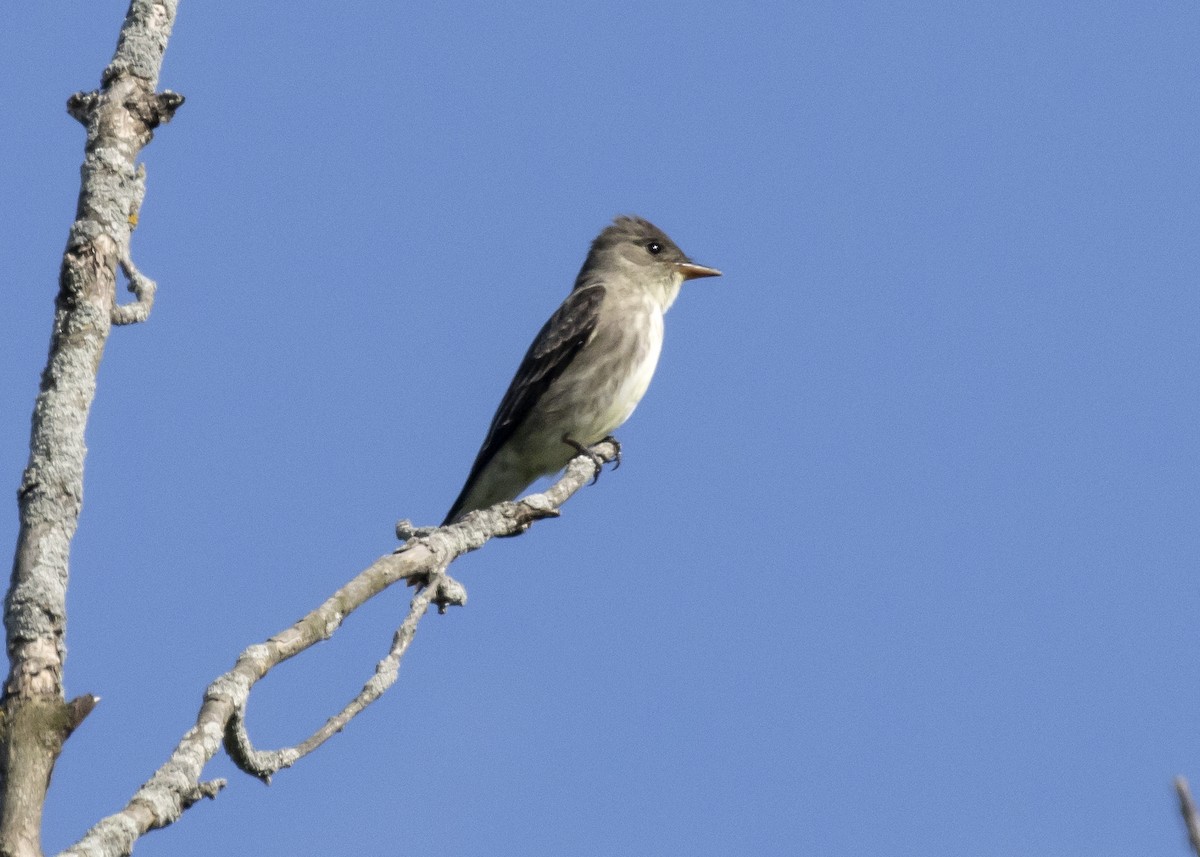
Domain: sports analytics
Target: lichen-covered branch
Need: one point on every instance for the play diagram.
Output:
(422, 561)
(440, 590)
(120, 118)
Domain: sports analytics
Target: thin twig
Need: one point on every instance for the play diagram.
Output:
(1187, 808)
(142, 287)
(264, 763)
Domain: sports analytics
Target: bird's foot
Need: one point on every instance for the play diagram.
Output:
(617, 446)
(597, 461)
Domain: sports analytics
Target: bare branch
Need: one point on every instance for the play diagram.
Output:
(422, 560)
(263, 764)
(1187, 808)
(34, 716)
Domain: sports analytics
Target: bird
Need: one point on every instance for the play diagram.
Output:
(587, 368)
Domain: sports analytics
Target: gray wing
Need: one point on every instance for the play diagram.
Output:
(552, 351)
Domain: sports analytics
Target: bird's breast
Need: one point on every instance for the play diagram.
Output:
(619, 364)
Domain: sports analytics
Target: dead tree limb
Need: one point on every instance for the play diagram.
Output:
(422, 561)
(120, 118)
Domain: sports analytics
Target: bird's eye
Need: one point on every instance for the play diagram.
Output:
(654, 247)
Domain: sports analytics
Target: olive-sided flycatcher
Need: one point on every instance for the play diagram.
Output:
(589, 365)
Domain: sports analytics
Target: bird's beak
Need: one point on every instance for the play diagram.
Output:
(692, 271)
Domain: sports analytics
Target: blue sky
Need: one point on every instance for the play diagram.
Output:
(903, 555)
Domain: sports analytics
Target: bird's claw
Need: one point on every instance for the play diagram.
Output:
(597, 461)
(617, 446)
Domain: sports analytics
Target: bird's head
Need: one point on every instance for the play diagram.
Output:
(642, 255)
